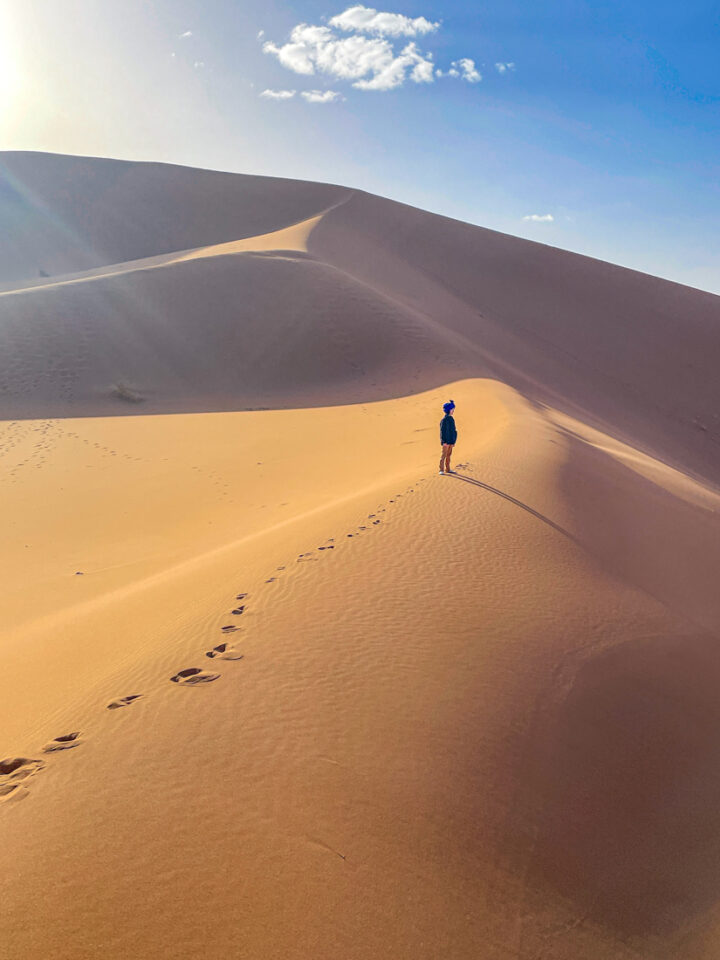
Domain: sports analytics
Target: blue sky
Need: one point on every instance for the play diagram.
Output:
(608, 121)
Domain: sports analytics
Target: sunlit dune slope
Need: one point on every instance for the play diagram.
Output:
(475, 716)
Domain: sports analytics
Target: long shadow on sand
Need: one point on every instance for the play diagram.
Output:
(518, 503)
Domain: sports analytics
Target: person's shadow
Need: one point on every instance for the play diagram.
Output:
(518, 503)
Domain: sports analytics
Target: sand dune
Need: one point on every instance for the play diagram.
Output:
(273, 687)
(68, 214)
(627, 352)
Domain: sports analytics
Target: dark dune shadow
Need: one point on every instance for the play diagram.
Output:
(644, 535)
(623, 791)
(223, 333)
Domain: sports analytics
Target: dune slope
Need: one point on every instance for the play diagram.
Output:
(67, 214)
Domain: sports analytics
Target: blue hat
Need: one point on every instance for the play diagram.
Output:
(450, 405)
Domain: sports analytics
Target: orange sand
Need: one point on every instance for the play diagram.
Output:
(468, 717)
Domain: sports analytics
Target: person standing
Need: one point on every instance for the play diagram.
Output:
(448, 436)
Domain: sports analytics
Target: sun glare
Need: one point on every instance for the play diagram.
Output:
(10, 74)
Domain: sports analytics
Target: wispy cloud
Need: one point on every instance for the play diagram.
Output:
(321, 96)
(261, 34)
(278, 94)
(367, 62)
(540, 217)
(199, 64)
(367, 20)
(504, 67)
(183, 36)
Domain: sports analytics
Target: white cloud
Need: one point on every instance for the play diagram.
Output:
(320, 96)
(199, 64)
(504, 67)
(370, 62)
(540, 217)
(368, 57)
(366, 20)
(188, 33)
(261, 34)
(423, 72)
(466, 69)
(278, 94)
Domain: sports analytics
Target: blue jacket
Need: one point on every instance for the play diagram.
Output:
(448, 433)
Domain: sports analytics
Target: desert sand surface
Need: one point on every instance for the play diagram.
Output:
(275, 689)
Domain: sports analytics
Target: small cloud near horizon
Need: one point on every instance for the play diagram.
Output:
(278, 94)
(367, 58)
(504, 67)
(183, 36)
(320, 96)
(539, 217)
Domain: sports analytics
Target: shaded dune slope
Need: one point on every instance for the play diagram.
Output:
(243, 330)
(631, 352)
(66, 214)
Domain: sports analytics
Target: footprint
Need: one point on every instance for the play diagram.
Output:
(376, 522)
(123, 701)
(271, 580)
(225, 652)
(229, 629)
(238, 610)
(241, 596)
(14, 771)
(194, 675)
(66, 742)
(331, 547)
